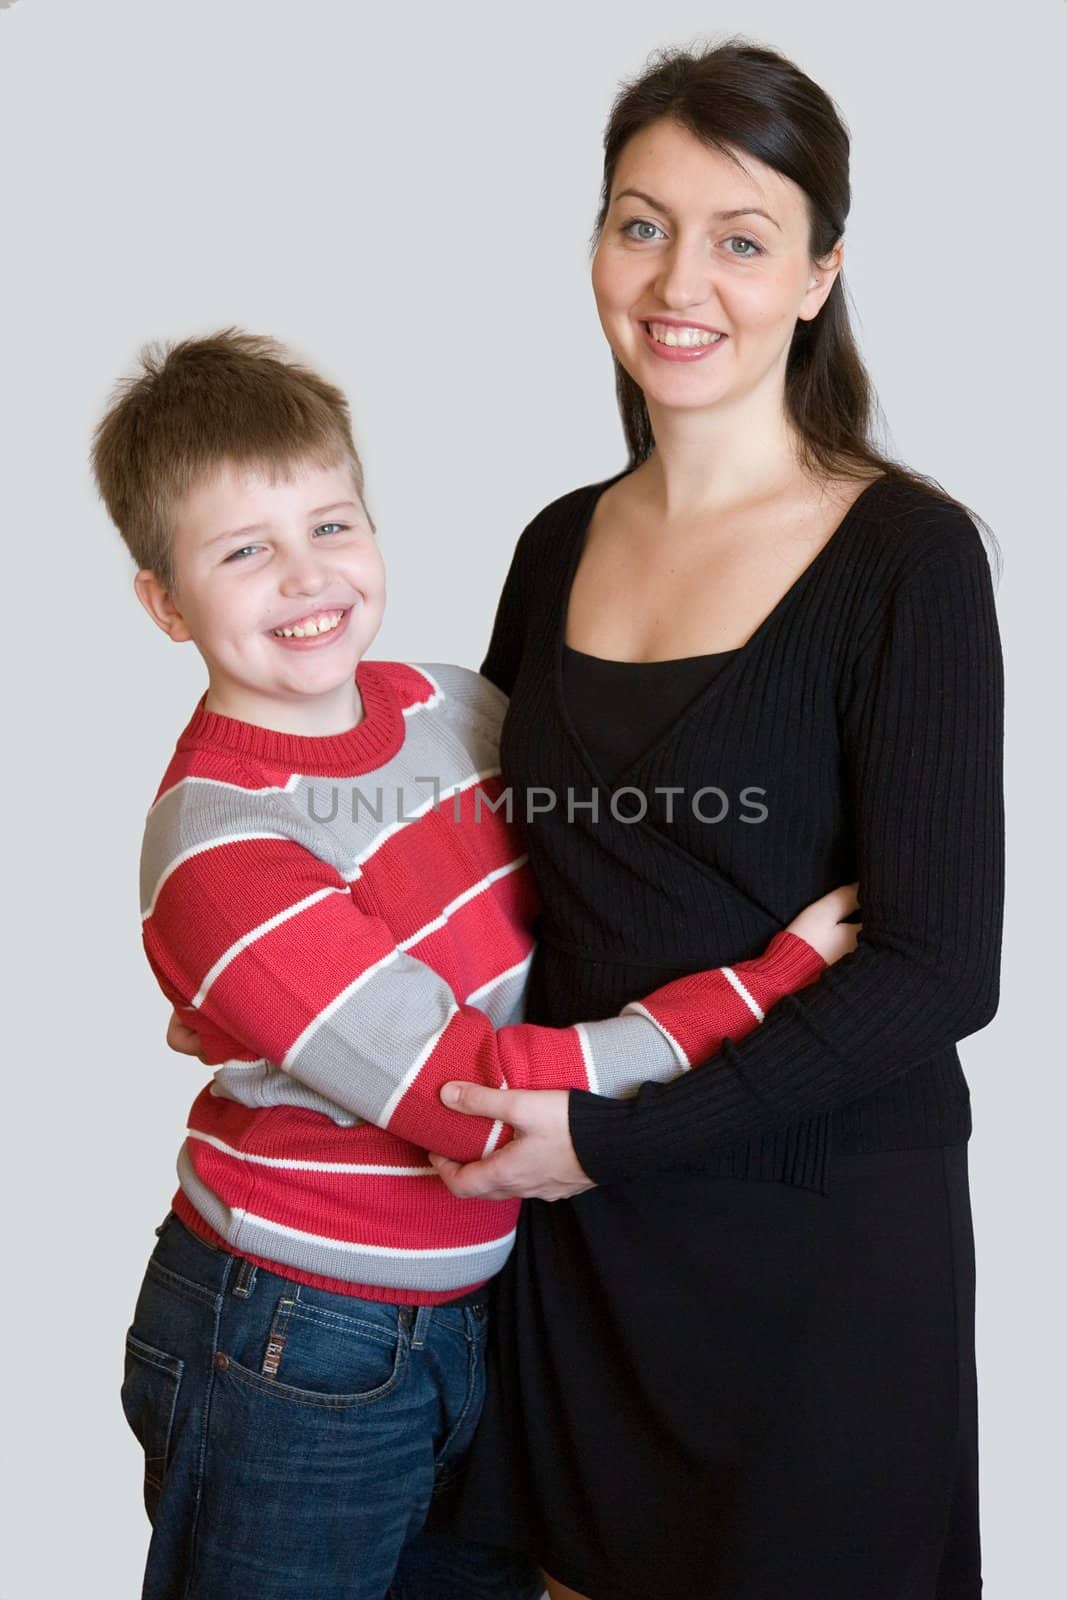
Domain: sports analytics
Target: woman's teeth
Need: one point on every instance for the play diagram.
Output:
(322, 623)
(684, 337)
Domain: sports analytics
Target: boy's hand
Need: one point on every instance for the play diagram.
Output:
(820, 924)
(184, 1039)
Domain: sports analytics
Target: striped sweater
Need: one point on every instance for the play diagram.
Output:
(347, 922)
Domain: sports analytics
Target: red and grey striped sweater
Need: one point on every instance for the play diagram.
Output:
(347, 923)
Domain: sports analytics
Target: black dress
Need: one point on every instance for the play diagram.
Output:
(743, 1367)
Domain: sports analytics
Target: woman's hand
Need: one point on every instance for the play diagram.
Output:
(820, 924)
(538, 1164)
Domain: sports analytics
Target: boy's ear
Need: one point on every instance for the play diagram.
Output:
(160, 606)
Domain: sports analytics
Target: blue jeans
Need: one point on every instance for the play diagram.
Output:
(294, 1439)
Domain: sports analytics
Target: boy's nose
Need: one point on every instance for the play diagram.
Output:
(303, 577)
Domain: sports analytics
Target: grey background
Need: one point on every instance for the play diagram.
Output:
(405, 196)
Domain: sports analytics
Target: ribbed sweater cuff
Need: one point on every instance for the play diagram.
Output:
(790, 961)
(616, 1140)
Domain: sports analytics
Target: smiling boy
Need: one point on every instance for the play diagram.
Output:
(304, 1366)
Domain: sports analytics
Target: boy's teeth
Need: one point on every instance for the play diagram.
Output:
(304, 630)
(685, 337)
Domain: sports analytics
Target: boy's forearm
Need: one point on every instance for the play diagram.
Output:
(328, 996)
(702, 1010)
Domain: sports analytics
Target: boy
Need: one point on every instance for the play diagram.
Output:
(331, 897)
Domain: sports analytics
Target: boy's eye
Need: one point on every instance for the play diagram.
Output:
(331, 527)
(245, 550)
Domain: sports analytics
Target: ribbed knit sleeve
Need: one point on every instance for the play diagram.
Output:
(922, 734)
(502, 659)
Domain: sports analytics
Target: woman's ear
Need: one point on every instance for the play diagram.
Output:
(821, 280)
(159, 603)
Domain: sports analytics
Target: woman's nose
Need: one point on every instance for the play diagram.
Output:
(685, 279)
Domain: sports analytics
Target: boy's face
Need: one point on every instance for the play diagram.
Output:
(252, 557)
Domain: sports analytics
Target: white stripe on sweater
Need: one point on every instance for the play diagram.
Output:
(199, 849)
(223, 783)
(639, 1010)
(257, 933)
(437, 1253)
(495, 1131)
(461, 900)
(416, 1067)
(356, 1169)
(406, 944)
(501, 977)
(415, 816)
(335, 1004)
(313, 899)
(587, 1057)
(736, 984)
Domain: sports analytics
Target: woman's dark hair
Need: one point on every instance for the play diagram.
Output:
(742, 99)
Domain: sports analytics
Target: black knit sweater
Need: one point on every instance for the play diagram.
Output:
(864, 720)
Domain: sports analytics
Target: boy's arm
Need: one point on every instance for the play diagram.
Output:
(263, 940)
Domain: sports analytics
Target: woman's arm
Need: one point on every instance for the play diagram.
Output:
(923, 750)
(922, 737)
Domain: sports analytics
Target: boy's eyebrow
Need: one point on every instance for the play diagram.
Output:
(717, 216)
(259, 527)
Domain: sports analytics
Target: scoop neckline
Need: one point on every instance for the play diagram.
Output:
(663, 661)
(738, 654)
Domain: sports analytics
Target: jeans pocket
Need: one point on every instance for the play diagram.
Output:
(318, 1357)
(149, 1401)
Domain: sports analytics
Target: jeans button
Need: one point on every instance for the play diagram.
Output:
(220, 1361)
(406, 1316)
(478, 1311)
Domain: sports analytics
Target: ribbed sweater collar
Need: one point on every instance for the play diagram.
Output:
(375, 740)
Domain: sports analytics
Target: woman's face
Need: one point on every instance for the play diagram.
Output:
(694, 247)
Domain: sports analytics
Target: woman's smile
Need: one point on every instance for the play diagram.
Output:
(681, 341)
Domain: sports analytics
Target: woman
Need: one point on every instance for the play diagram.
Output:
(741, 1366)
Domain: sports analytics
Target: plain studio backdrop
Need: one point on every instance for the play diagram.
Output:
(405, 195)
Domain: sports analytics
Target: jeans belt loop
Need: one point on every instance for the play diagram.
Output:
(423, 1318)
(244, 1283)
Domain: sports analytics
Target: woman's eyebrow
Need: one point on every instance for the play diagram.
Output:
(717, 216)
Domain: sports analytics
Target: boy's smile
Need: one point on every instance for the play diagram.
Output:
(280, 584)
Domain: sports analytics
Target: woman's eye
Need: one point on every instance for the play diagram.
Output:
(753, 248)
(645, 231)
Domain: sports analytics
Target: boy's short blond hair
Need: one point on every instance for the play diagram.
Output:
(194, 406)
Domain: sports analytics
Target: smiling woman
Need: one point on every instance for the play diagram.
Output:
(741, 1367)
(664, 263)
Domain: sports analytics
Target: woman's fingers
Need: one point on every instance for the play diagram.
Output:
(478, 1100)
(538, 1163)
(478, 1180)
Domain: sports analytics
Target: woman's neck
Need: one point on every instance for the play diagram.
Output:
(716, 460)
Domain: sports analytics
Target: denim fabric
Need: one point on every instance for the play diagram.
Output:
(294, 1439)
